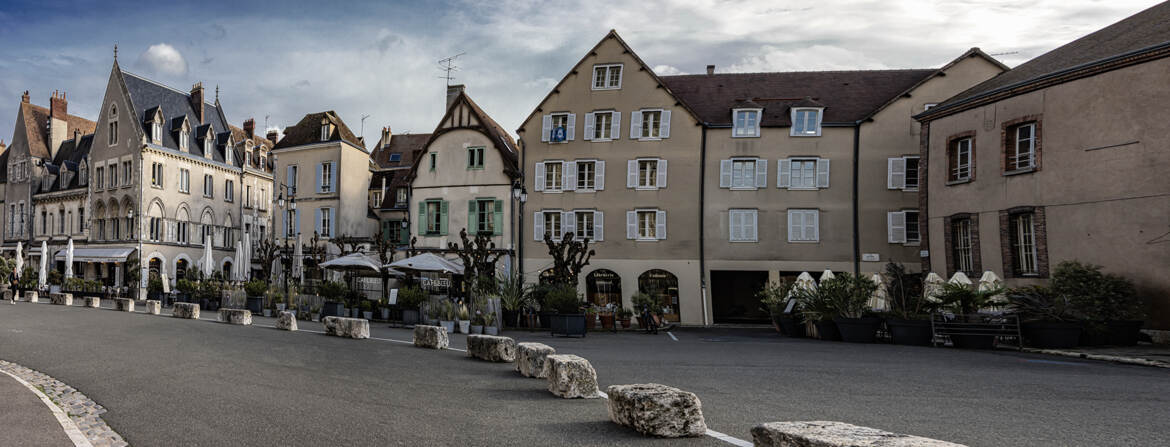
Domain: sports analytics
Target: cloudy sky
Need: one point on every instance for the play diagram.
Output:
(380, 58)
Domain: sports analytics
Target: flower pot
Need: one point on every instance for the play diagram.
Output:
(476, 329)
(910, 332)
(1123, 333)
(790, 326)
(567, 324)
(315, 316)
(590, 321)
(268, 312)
(827, 330)
(386, 313)
(607, 321)
(858, 330)
(1051, 334)
(410, 316)
(625, 323)
(464, 326)
(355, 312)
(369, 315)
(491, 330)
(449, 325)
(332, 309)
(280, 307)
(973, 341)
(255, 303)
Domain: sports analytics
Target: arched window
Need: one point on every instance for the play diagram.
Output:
(662, 286)
(155, 266)
(181, 269)
(227, 267)
(603, 287)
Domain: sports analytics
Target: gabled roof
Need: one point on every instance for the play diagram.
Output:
(147, 96)
(406, 145)
(1142, 33)
(308, 131)
(500, 139)
(36, 120)
(240, 137)
(642, 66)
(69, 158)
(847, 96)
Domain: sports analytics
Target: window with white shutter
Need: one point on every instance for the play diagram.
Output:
(650, 124)
(743, 225)
(803, 173)
(585, 175)
(743, 173)
(902, 173)
(601, 126)
(569, 175)
(584, 224)
(745, 123)
(803, 225)
(896, 227)
(548, 176)
(806, 122)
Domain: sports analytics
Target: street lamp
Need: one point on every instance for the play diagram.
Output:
(289, 226)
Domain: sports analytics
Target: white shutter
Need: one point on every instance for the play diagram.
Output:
(660, 225)
(598, 226)
(735, 224)
(896, 173)
(632, 173)
(538, 181)
(822, 173)
(569, 175)
(635, 124)
(571, 128)
(538, 226)
(761, 173)
(569, 223)
(615, 128)
(599, 175)
(896, 225)
(590, 119)
(815, 225)
(631, 224)
(332, 222)
(793, 225)
(545, 127)
(593, 82)
(664, 127)
(661, 173)
(317, 220)
(724, 173)
(784, 174)
(752, 221)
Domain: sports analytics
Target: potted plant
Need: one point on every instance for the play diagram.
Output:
(269, 307)
(154, 287)
(590, 317)
(514, 295)
(255, 291)
(909, 316)
(447, 316)
(538, 299)
(332, 292)
(965, 302)
(623, 315)
(464, 319)
(776, 299)
(186, 290)
(489, 324)
(853, 319)
(315, 313)
(1111, 306)
(643, 301)
(568, 319)
(409, 298)
(606, 314)
(818, 306)
(1047, 320)
(367, 309)
(477, 323)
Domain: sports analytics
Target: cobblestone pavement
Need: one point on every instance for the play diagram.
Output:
(82, 410)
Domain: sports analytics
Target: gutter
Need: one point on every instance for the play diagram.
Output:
(702, 215)
(856, 226)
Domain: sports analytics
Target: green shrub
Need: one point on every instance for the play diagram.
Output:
(774, 297)
(55, 277)
(186, 286)
(641, 301)
(844, 295)
(563, 299)
(964, 299)
(904, 292)
(256, 288)
(154, 284)
(332, 290)
(366, 306)
(1038, 303)
(410, 297)
(1098, 296)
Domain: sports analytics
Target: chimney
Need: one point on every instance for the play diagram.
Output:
(58, 106)
(58, 126)
(24, 98)
(272, 135)
(386, 136)
(197, 101)
(249, 128)
(710, 70)
(453, 92)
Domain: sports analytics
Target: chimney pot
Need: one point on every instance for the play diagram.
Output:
(24, 98)
(272, 136)
(710, 70)
(453, 92)
(58, 107)
(249, 128)
(197, 100)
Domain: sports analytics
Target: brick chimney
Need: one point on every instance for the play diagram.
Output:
(197, 100)
(386, 134)
(710, 70)
(249, 128)
(453, 92)
(24, 98)
(273, 135)
(58, 125)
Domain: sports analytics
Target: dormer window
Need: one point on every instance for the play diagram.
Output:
(156, 131)
(184, 138)
(746, 123)
(325, 130)
(64, 179)
(806, 122)
(227, 153)
(83, 171)
(208, 144)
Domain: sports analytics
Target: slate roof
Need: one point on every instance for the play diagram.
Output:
(146, 95)
(1141, 31)
(69, 158)
(376, 179)
(240, 138)
(4, 166)
(36, 119)
(407, 145)
(308, 131)
(847, 96)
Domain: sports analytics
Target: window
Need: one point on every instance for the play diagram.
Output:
(562, 129)
(1020, 153)
(184, 138)
(208, 185)
(743, 225)
(44, 222)
(803, 226)
(434, 157)
(475, 157)
(327, 177)
(375, 199)
(434, 217)
(902, 227)
(326, 222)
(646, 173)
(602, 126)
(647, 224)
(113, 119)
(586, 175)
(746, 123)
(184, 180)
(651, 124)
(61, 221)
(181, 231)
(229, 190)
(959, 156)
(156, 131)
(395, 157)
(81, 218)
(743, 173)
(113, 176)
(401, 196)
(325, 131)
(1022, 228)
(248, 196)
(155, 229)
(486, 215)
(208, 144)
(902, 173)
(803, 173)
(99, 177)
(552, 175)
(806, 122)
(127, 172)
(607, 77)
(228, 156)
(292, 180)
(552, 224)
(913, 235)
(156, 174)
(263, 200)
(584, 228)
(962, 247)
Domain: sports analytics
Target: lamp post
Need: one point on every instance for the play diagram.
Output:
(289, 226)
(520, 196)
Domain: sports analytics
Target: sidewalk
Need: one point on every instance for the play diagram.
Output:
(26, 419)
(1144, 354)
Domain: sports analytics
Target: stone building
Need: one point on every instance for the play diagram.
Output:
(389, 191)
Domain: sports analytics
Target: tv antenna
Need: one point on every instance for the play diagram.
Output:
(448, 66)
(363, 134)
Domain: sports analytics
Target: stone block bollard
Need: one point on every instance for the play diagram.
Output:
(357, 328)
(235, 316)
(530, 359)
(570, 377)
(188, 311)
(287, 321)
(492, 348)
(431, 337)
(30, 296)
(153, 307)
(93, 301)
(61, 299)
(835, 434)
(124, 304)
(656, 410)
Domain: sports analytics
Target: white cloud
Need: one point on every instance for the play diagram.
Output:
(163, 59)
(815, 57)
(667, 70)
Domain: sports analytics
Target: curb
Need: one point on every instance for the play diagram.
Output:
(70, 427)
(1106, 358)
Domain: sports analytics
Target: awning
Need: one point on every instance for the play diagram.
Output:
(91, 254)
(428, 262)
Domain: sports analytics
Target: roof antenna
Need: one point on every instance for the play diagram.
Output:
(115, 52)
(448, 65)
(363, 132)
(266, 123)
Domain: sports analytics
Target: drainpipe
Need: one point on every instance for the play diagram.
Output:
(856, 226)
(520, 215)
(702, 214)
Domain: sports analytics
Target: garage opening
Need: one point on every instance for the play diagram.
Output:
(733, 296)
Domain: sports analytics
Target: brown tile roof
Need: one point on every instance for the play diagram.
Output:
(240, 137)
(1141, 31)
(847, 96)
(35, 121)
(500, 138)
(406, 145)
(308, 131)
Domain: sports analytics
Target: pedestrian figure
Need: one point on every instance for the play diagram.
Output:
(648, 318)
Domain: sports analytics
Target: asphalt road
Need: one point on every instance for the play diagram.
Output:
(178, 382)
(25, 419)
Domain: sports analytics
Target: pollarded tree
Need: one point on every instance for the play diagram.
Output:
(569, 255)
(385, 251)
(479, 258)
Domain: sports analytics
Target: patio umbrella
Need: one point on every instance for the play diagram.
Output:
(298, 260)
(19, 259)
(428, 262)
(878, 301)
(69, 259)
(960, 278)
(989, 281)
(247, 263)
(826, 275)
(44, 276)
(207, 259)
(165, 283)
(932, 286)
(236, 274)
(358, 262)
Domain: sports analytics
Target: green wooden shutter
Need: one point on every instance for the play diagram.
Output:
(472, 217)
(422, 218)
(443, 211)
(404, 235)
(498, 218)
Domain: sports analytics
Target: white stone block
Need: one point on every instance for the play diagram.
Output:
(657, 410)
(835, 434)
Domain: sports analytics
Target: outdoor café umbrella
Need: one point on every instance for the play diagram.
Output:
(428, 262)
(961, 279)
(44, 276)
(932, 286)
(236, 275)
(19, 259)
(165, 283)
(247, 267)
(298, 261)
(357, 262)
(69, 259)
(990, 281)
(826, 275)
(878, 301)
(207, 259)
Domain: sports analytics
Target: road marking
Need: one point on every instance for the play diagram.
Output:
(728, 439)
(672, 337)
(70, 427)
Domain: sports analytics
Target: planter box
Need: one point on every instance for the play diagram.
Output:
(410, 316)
(827, 330)
(1051, 334)
(790, 326)
(331, 309)
(255, 304)
(910, 332)
(858, 330)
(567, 324)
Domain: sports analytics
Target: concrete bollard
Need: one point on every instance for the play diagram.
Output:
(30, 296)
(570, 376)
(492, 348)
(287, 321)
(153, 307)
(235, 316)
(93, 301)
(530, 358)
(10, 296)
(61, 299)
(656, 410)
(834, 434)
(430, 337)
(188, 311)
(356, 328)
(124, 304)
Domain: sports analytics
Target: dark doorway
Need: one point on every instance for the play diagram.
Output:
(733, 296)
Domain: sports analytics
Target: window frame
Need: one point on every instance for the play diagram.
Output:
(557, 185)
(485, 217)
(816, 228)
(556, 232)
(209, 186)
(652, 225)
(657, 134)
(818, 113)
(605, 132)
(475, 154)
(589, 230)
(327, 180)
(607, 82)
(917, 173)
(585, 183)
(963, 244)
(735, 127)
(792, 178)
(755, 163)
(229, 190)
(954, 154)
(434, 219)
(184, 181)
(754, 214)
(1010, 144)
